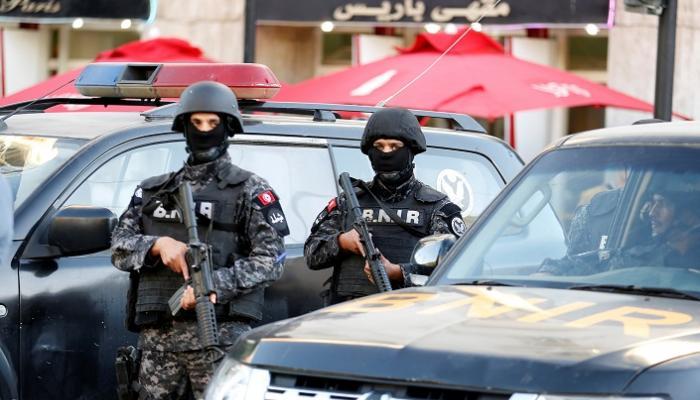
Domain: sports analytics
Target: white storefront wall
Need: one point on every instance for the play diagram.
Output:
(536, 129)
(24, 59)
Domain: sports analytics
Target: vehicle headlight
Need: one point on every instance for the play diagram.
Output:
(233, 380)
(520, 396)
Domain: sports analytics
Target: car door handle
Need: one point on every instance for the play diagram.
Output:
(3, 311)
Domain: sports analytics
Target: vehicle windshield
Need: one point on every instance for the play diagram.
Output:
(26, 161)
(592, 216)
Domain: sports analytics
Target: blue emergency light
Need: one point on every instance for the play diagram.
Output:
(169, 80)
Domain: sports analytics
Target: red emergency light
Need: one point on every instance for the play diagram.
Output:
(169, 80)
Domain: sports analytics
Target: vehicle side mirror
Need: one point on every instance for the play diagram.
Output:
(428, 253)
(77, 230)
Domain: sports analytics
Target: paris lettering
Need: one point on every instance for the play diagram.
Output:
(30, 7)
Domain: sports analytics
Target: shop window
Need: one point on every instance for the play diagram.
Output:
(586, 118)
(88, 44)
(337, 49)
(587, 53)
(82, 46)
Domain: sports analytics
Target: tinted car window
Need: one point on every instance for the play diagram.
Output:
(469, 179)
(594, 216)
(287, 168)
(26, 161)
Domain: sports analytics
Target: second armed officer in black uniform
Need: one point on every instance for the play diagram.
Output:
(399, 210)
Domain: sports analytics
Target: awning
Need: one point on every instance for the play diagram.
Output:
(477, 78)
(155, 50)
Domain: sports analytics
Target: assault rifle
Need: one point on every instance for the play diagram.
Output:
(372, 255)
(199, 265)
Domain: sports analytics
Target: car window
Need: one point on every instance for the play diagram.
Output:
(26, 161)
(301, 176)
(112, 185)
(618, 216)
(469, 179)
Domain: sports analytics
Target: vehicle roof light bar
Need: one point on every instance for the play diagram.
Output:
(169, 80)
(326, 112)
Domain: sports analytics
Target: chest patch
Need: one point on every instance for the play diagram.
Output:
(408, 216)
(203, 209)
(166, 214)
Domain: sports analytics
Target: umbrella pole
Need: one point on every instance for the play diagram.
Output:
(665, 61)
(250, 33)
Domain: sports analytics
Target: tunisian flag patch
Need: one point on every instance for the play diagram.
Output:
(266, 198)
(331, 205)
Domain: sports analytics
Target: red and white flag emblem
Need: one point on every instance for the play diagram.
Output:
(266, 198)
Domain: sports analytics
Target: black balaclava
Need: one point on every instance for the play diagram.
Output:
(394, 168)
(206, 146)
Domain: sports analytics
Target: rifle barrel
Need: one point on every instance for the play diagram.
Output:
(188, 215)
(372, 255)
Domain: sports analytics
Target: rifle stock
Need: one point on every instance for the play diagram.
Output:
(372, 255)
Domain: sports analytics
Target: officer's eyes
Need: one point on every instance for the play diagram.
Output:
(388, 147)
(212, 123)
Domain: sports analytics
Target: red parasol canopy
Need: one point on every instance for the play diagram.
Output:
(476, 77)
(154, 50)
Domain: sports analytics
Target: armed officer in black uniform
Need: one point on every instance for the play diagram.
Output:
(399, 210)
(238, 213)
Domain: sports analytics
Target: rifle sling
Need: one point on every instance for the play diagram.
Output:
(391, 214)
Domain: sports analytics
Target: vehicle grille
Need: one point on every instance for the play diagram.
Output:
(288, 387)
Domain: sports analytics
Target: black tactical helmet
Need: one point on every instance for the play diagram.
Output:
(209, 96)
(394, 123)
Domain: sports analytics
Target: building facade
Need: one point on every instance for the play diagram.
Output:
(300, 40)
(632, 60)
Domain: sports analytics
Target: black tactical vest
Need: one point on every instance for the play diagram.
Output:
(393, 241)
(215, 207)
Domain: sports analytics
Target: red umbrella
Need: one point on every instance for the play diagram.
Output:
(476, 77)
(154, 50)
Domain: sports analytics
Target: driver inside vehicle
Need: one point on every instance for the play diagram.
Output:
(674, 221)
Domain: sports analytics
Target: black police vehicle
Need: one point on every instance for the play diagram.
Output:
(581, 281)
(62, 303)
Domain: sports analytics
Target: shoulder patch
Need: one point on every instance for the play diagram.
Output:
(332, 205)
(426, 194)
(137, 197)
(457, 226)
(272, 211)
(266, 198)
(155, 181)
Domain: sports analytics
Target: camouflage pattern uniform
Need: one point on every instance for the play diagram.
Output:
(171, 353)
(591, 224)
(322, 250)
(588, 234)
